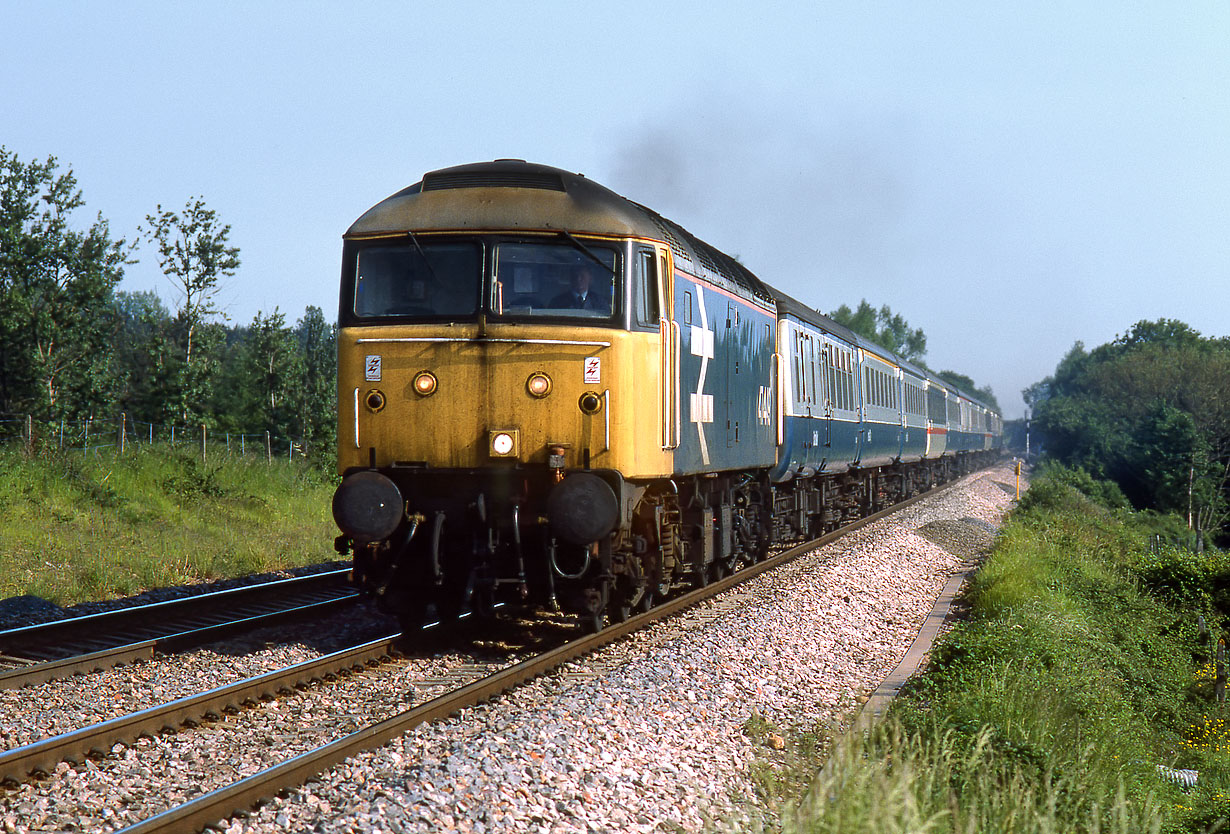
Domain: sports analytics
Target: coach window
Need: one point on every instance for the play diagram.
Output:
(813, 391)
(851, 399)
(645, 290)
(841, 380)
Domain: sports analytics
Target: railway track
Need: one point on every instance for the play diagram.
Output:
(42, 757)
(79, 645)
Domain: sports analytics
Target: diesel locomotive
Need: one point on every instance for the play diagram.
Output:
(550, 395)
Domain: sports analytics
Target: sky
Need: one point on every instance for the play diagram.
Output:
(1010, 178)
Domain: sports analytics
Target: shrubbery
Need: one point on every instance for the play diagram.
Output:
(1053, 480)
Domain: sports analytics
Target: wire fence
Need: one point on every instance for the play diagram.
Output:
(120, 435)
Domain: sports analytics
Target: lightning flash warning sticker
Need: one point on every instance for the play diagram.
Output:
(372, 369)
(593, 370)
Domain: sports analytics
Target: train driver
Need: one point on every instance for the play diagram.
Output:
(579, 296)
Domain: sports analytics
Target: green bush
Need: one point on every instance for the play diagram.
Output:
(1054, 483)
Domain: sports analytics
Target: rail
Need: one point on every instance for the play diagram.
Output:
(61, 648)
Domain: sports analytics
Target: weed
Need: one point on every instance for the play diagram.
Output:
(791, 758)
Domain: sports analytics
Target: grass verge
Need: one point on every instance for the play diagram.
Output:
(75, 529)
(1079, 672)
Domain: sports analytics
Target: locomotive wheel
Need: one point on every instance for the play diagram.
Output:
(648, 600)
(592, 623)
(656, 590)
(621, 610)
(593, 611)
(626, 603)
(761, 551)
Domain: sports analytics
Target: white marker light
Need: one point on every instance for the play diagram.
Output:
(425, 383)
(539, 385)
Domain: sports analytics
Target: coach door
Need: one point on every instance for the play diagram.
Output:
(828, 379)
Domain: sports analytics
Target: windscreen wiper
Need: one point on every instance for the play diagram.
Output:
(578, 244)
(435, 280)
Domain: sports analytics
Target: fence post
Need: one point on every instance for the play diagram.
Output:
(123, 431)
(269, 448)
(151, 434)
(1219, 686)
(202, 442)
(242, 449)
(85, 449)
(172, 434)
(61, 432)
(29, 433)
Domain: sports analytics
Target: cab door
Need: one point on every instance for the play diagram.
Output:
(654, 286)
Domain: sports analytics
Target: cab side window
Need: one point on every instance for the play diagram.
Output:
(645, 290)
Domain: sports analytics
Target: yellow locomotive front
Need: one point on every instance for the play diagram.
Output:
(503, 389)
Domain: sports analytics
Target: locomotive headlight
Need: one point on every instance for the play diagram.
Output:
(503, 443)
(539, 384)
(425, 383)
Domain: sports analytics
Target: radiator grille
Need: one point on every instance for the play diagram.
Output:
(493, 179)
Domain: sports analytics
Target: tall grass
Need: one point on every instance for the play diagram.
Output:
(74, 528)
(1078, 673)
(896, 780)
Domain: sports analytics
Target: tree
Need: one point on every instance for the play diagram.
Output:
(56, 287)
(1151, 411)
(315, 397)
(885, 328)
(147, 363)
(194, 255)
(968, 385)
(270, 362)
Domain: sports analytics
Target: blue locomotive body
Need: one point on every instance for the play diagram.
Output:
(726, 375)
